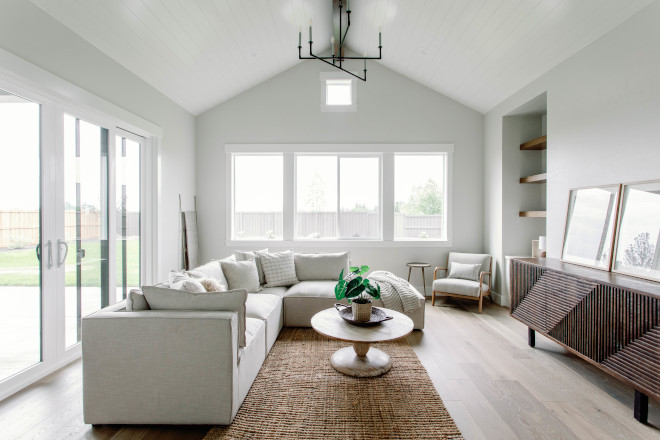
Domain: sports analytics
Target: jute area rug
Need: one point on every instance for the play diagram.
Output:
(298, 395)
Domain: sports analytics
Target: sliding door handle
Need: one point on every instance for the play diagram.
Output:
(38, 249)
(62, 259)
(50, 253)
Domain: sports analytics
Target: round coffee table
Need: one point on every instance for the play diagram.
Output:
(360, 360)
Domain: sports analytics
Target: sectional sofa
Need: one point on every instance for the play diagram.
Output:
(187, 366)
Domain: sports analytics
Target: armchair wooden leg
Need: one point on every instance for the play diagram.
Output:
(481, 300)
(433, 298)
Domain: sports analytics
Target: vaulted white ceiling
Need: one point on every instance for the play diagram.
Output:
(202, 52)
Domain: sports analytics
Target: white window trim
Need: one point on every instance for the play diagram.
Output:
(387, 193)
(339, 156)
(324, 76)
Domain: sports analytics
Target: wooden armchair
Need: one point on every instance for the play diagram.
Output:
(467, 280)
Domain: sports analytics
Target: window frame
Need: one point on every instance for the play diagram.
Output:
(386, 151)
(232, 193)
(445, 193)
(339, 156)
(333, 76)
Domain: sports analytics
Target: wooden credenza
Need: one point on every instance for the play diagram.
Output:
(609, 320)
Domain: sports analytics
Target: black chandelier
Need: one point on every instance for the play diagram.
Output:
(337, 59)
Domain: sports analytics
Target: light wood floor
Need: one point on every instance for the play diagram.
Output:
(494, 385)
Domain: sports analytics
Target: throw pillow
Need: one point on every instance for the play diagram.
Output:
(256, 255)
(181, 281)
(279, 269)
(211, 269)
(212, 285)
(136, 301)
(465, 271)
(172, 299)
(242, 275)
(314, 267)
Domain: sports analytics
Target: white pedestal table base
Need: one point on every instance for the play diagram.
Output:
(373, 362)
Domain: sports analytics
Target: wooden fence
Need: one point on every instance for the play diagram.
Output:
(19, 229)
(260, 225)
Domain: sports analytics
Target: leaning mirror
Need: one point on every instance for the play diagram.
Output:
(590, 223)
(638, 239)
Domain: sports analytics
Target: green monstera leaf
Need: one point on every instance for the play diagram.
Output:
(354, 287)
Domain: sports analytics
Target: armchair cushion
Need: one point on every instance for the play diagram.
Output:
(459, 287)
(458, 257)
(465, 271)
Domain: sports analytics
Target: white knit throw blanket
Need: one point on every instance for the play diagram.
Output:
(396, 293)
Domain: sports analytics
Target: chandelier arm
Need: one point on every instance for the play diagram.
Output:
(340, 68)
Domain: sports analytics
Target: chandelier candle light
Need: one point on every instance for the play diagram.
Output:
(337, 59)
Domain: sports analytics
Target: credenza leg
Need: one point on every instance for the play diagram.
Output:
(641, 407)
(531, 337)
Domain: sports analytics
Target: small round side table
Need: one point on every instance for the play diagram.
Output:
(420, 265)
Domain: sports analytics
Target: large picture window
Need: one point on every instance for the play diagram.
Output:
(257, 197)
(419, 197)
(395, 193)
(338, 197)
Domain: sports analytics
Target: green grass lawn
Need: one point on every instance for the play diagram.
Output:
(20, 267)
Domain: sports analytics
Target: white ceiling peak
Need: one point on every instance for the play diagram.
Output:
(201, 53)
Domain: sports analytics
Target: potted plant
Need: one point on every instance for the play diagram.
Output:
(357, 290)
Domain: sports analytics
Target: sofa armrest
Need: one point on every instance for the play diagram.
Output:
(160, 367)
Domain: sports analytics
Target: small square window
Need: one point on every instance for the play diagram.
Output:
(338, 92)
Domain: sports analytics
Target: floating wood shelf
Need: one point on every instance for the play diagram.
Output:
(536, 178)
(535, 144)
(532, 214)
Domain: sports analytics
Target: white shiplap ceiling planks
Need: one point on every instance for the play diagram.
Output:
(202, 52)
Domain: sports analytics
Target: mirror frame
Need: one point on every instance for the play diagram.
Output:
(621, 213)
(615, 227)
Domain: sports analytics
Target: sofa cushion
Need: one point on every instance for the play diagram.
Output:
(279, 269)
(465, 271)
(260, 306)
(312, 289)
(241, 275)
(459, 287)
(253, 327)
(135, 301)
(311, 267)
(211, 269)
(279, 291)
(268, 308)
(256, 255)
(250, 357)
(172, 299)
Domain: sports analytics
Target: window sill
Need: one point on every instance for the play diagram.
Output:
(338, 108)
(338, 243)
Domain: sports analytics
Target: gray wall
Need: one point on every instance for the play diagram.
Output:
(391, 109)
(602, 126)
(30, 33)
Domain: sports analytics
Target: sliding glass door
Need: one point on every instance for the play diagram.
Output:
(20, 235)
(128, 152)
(85, 249)
(72, 201)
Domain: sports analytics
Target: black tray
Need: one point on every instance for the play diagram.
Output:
(377, 316)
